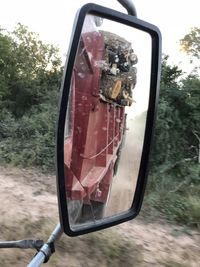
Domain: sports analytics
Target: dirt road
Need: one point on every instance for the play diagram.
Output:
(28, 208)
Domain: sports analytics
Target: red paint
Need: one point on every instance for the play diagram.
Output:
(97, 127)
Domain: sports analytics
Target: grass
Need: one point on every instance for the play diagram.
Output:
(175, 195)
(106, 248)
(194, 204)
(170, 263)
(22, 229)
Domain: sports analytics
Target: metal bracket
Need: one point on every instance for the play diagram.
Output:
(23, 244)
(47, 249)
(129, 6)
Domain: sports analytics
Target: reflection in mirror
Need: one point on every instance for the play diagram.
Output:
(105, 120)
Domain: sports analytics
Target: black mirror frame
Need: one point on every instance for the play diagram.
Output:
(153, 100)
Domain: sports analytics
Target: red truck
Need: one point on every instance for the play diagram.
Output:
(96, 119)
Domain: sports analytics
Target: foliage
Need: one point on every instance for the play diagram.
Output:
(175, 172)
(30, 74)
(169, 74)
(29, 69)
(191, 43)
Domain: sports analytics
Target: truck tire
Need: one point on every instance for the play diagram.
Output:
(118, 154)
(116, 165)
(95, 211)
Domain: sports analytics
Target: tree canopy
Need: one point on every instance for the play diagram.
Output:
(30, 76)
(191, 43)
(29, 69)
(174, 186)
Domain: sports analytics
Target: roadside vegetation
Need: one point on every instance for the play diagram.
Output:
(30, 77)
(174, 182)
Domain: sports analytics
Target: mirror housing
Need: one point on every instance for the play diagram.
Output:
(138, 194)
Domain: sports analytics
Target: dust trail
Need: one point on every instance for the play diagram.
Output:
(124, 182)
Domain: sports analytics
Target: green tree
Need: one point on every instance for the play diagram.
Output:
(169, 74)
(29, 69)
(168, 145)
(191, 85)
(30, 76)
(191, 43)
(174, 186)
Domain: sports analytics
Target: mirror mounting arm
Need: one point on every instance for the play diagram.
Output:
(47, 249)
(128, 4)
(24, 244)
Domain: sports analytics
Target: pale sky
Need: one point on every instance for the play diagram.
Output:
(53, 19)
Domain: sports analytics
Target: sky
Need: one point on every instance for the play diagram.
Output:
(53, 20)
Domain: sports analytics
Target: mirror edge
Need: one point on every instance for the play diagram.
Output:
(153, 100)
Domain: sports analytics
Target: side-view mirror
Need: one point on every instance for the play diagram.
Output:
(106, 120)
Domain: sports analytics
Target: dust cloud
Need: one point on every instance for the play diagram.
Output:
(124, 182)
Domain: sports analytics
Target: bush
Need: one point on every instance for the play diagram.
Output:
(176, 196)
(30, 75)
(30, 140)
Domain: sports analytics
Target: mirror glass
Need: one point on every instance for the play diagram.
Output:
(105, 120)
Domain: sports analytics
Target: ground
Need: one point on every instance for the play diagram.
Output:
(28, 206)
